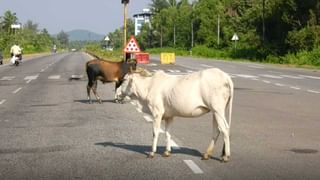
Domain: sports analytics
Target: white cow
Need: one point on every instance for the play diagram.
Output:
(192, 95)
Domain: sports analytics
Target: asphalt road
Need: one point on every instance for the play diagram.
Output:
(49, 131)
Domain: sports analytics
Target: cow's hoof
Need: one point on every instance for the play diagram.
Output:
(225, 159)
(205, 156)
(150, 155)
(166, 154)
(100, 102)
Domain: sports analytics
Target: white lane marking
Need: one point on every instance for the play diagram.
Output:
(2, 101)
(294, 87)
(271, 76)
(173, 71)
(311, 77)
(190, 71)
(279, 84)
(256, 66)
(30, 78)
(174, 145)
(139, 110)
(193, 166)
(152, 64)
(54, 77)
(245, 76)
(275, 72)
(17, 90)
(148, 118)
(265, 81)
(204, 65)
(313, 91)
(7, 78)
(292, 77)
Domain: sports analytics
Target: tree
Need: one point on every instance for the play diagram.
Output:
(31, 26)
(63, 39)
(9, 18)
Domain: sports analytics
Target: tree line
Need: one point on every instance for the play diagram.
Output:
(28, 36)
(278, 31)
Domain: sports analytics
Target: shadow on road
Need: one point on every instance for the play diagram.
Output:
(85, 101)
(142, 149)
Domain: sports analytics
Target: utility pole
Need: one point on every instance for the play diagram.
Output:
(218, 30)
(263, 24)
(125, 9)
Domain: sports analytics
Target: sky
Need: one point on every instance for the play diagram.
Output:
(99, 16)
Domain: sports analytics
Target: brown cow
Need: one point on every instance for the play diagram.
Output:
(106, 72)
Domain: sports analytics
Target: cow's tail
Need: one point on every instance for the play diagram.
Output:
(230, 102)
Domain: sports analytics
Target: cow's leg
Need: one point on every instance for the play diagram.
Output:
(224, 129)
(168, 122)
(94, 89)
(156, 131)
(215, 135)
(116, 99)
(88, 93)
(89, 87)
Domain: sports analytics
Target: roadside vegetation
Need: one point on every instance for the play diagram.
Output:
(28, 36)
(269, 31)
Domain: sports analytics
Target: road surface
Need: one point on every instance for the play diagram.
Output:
(49, 131)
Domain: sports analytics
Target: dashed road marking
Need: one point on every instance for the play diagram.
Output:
(265, 81)
(313, 91)
(193, 166)
(7, 78)
(245, 76)
(311, 77)
(3, 101)
(294, 87)
(271, 76)
(17, 90)
(256, 66)
(30, 78)
(148, 118)
(174, 145)
(207, 66)
(54, 77)
(292, 77)
(279, 84)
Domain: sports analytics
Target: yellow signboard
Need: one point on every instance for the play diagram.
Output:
(167, 58)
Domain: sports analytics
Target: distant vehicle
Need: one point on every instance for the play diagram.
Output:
(73, 50)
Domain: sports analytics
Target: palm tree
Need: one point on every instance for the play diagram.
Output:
(9, 18)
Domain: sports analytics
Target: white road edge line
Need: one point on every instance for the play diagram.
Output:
(193, 166)
(147, 118)
(312, 91)
(17, 90)
(2, 101)
(296, 88)
(278, 84)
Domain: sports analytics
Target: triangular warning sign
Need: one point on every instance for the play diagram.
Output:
(132, 46)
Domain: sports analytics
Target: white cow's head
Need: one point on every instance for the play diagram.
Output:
(128, 87)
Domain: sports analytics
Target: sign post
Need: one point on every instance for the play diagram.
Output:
(125, 9)
(130, 48)
(235, 38)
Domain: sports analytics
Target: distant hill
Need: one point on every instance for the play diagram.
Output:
(84, 35)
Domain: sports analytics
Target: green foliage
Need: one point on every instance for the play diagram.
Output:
(276, 31)
(95, 49)
(29, 37)
(177, 51)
